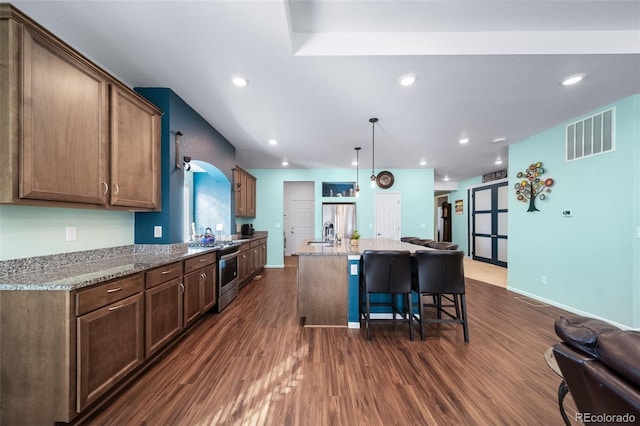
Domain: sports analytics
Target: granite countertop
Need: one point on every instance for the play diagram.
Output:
(344, 248)
(72, 271)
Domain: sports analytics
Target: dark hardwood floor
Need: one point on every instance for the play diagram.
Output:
(254, 364)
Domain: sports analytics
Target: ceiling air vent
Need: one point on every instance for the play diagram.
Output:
(591, 136)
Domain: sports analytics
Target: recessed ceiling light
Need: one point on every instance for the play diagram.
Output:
(240, 81)
(354, 163)
(407, 79)
(273, 142)
(464, 140)
(498, 162)
(446, 179)
(285, 163)
(499, 140)
(423, 162)
(572, 79)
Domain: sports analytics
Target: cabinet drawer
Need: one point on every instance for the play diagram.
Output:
(199, 262)
(163, 274)
(104, 294)
(255, 243)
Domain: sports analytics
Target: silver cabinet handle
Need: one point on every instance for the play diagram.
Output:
(166, 272)
(116, 189)
(113, 290)
(203, 260)
(116, 307)
(182, 287)
(106, 188)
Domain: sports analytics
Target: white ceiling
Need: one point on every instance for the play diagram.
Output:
(318, 70)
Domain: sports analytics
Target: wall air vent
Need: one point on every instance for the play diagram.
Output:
(591, 136)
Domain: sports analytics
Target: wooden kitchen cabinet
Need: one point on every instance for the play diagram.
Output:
(244, 186)
(135, 150)
(163, 306)
(110, 340)
(199, 286)
(57, 143)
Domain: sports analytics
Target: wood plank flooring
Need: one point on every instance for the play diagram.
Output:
(254, 364)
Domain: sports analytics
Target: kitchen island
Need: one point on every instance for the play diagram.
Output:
(329, 276)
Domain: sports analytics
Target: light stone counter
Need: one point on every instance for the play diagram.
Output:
(364, 244)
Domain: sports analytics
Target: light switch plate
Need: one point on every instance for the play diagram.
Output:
(354, 269)
(70, 232)
(157, 232)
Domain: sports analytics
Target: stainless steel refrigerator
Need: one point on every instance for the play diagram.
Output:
(338, 220)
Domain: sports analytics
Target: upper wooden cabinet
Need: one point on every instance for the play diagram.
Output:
(70, 134)
(135, 150)
(244, 186)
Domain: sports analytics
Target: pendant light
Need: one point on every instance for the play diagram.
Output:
(373, 122)
(357, 170)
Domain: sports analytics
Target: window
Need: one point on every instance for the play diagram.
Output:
(591, 136)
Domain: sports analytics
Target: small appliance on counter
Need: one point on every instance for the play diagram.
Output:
(247, 230)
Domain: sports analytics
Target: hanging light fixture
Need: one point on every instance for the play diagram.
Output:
(373, 122)
(357, 170)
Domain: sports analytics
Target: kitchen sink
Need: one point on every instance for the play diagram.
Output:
(319, 243)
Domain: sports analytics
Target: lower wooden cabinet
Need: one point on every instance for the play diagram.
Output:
(199, 286)
(110, 345)
(163, 314)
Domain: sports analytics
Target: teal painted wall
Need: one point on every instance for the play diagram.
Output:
(590, 259)
(201, 142)
(460, 223)
(414, 185)
(27, 231)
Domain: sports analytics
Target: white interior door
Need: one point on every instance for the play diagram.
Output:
(301, 223)
(387, 215)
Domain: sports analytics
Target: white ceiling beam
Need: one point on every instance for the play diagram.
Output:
(466, 43)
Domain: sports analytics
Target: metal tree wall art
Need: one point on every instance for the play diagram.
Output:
(533, 185)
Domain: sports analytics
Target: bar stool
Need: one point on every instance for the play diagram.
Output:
(440, 274)
(386, 271)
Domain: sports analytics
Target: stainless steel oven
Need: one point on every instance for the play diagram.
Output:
(228, 286)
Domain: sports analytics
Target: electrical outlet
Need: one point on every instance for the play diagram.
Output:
(543, 279)
(70, 232)
(157, 232)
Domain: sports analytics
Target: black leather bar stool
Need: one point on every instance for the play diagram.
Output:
(387, 272)
(440, 274)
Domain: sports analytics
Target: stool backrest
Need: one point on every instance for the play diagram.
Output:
(387, 271)
(440, 271)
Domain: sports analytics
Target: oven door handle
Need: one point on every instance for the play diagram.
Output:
(229, 256)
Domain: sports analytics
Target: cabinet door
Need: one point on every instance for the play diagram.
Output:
(263, 258)
(239, 190)
(192, 297)
(135, 151)
(65, 125)
(209, 290)
(250, 196)
(110, 345)
(163, 309)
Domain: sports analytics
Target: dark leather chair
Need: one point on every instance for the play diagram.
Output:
(599, 363)
(439, 274)
(386, 272)
(408, 239)
(422, 242)
(442, 245)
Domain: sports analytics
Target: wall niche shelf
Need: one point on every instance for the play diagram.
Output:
(338, 189)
